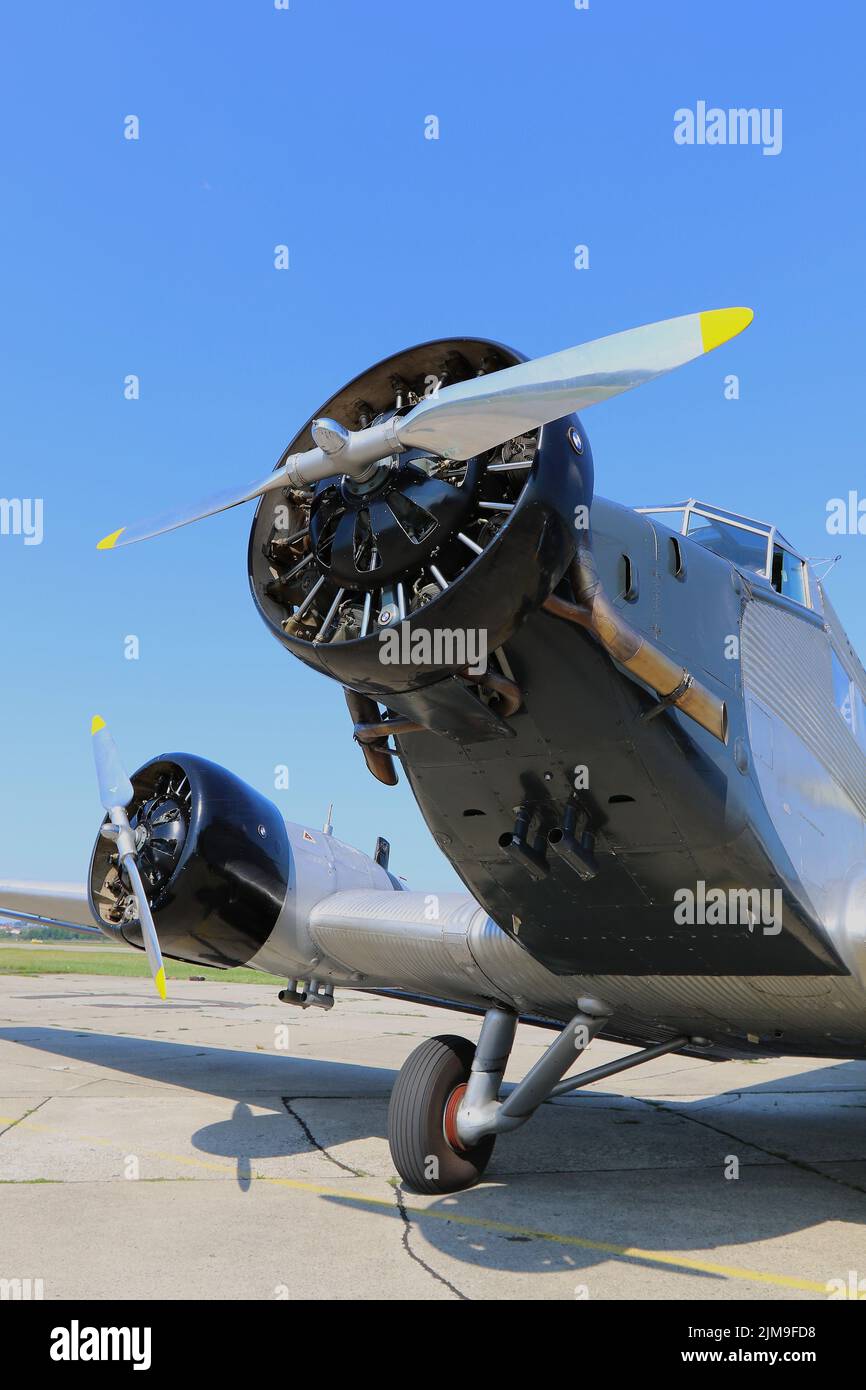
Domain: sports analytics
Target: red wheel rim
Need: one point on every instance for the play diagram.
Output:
(450, 1125)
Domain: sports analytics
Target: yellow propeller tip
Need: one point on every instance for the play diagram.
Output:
(96, 724)
(109, 542)
(720, 325)
(159, 981)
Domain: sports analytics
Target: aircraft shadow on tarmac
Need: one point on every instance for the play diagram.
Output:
(609, 1169)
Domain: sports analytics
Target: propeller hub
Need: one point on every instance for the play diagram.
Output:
(380, 477)
(160, 827)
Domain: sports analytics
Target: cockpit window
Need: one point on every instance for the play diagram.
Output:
(747, 549)
(789, 575)
(754, 546)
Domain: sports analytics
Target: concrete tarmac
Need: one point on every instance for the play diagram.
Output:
(225, 1145)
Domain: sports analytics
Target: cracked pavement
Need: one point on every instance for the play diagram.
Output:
(183, 1151)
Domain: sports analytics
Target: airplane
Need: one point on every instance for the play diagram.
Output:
(637, 734)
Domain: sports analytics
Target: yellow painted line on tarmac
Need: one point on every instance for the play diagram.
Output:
(458, 1218)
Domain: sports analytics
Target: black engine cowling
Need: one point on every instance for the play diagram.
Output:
(430, 544)
(214, 856)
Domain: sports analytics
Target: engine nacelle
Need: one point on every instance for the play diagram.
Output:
(427, 544)
(228, 880)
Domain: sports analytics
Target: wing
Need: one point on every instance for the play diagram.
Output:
(48, 904)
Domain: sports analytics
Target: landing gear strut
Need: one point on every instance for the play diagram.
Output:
(445, 1111)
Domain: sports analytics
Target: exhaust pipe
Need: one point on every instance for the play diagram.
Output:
(516, 844)
(673, 684)
(577, 854)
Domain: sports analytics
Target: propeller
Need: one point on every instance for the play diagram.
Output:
(115, 793)
(469, 417)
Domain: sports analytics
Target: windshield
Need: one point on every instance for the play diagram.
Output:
(747, 549)
(667, 516)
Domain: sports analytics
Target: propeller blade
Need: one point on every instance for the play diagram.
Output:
(345, 452)
(471, 416)
(148, 930)
(115, 788)
(208, 506)
(115, 793)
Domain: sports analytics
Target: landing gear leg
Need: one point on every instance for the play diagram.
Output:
(481, 1112)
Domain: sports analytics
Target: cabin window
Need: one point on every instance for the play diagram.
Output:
(860, 718)
(849, 701)
(843, 693)
(789, 575)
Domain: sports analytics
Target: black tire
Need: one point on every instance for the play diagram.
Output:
(416, 1119)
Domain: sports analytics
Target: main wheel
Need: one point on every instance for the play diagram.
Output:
(421, 1117)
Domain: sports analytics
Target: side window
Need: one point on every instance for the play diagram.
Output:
(843, 692)
(789, 575)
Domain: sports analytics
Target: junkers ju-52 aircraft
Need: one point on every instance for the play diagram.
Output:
(653, 784)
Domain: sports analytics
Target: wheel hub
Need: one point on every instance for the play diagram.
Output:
(452, 1105)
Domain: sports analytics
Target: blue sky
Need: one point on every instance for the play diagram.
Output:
(306, 127)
